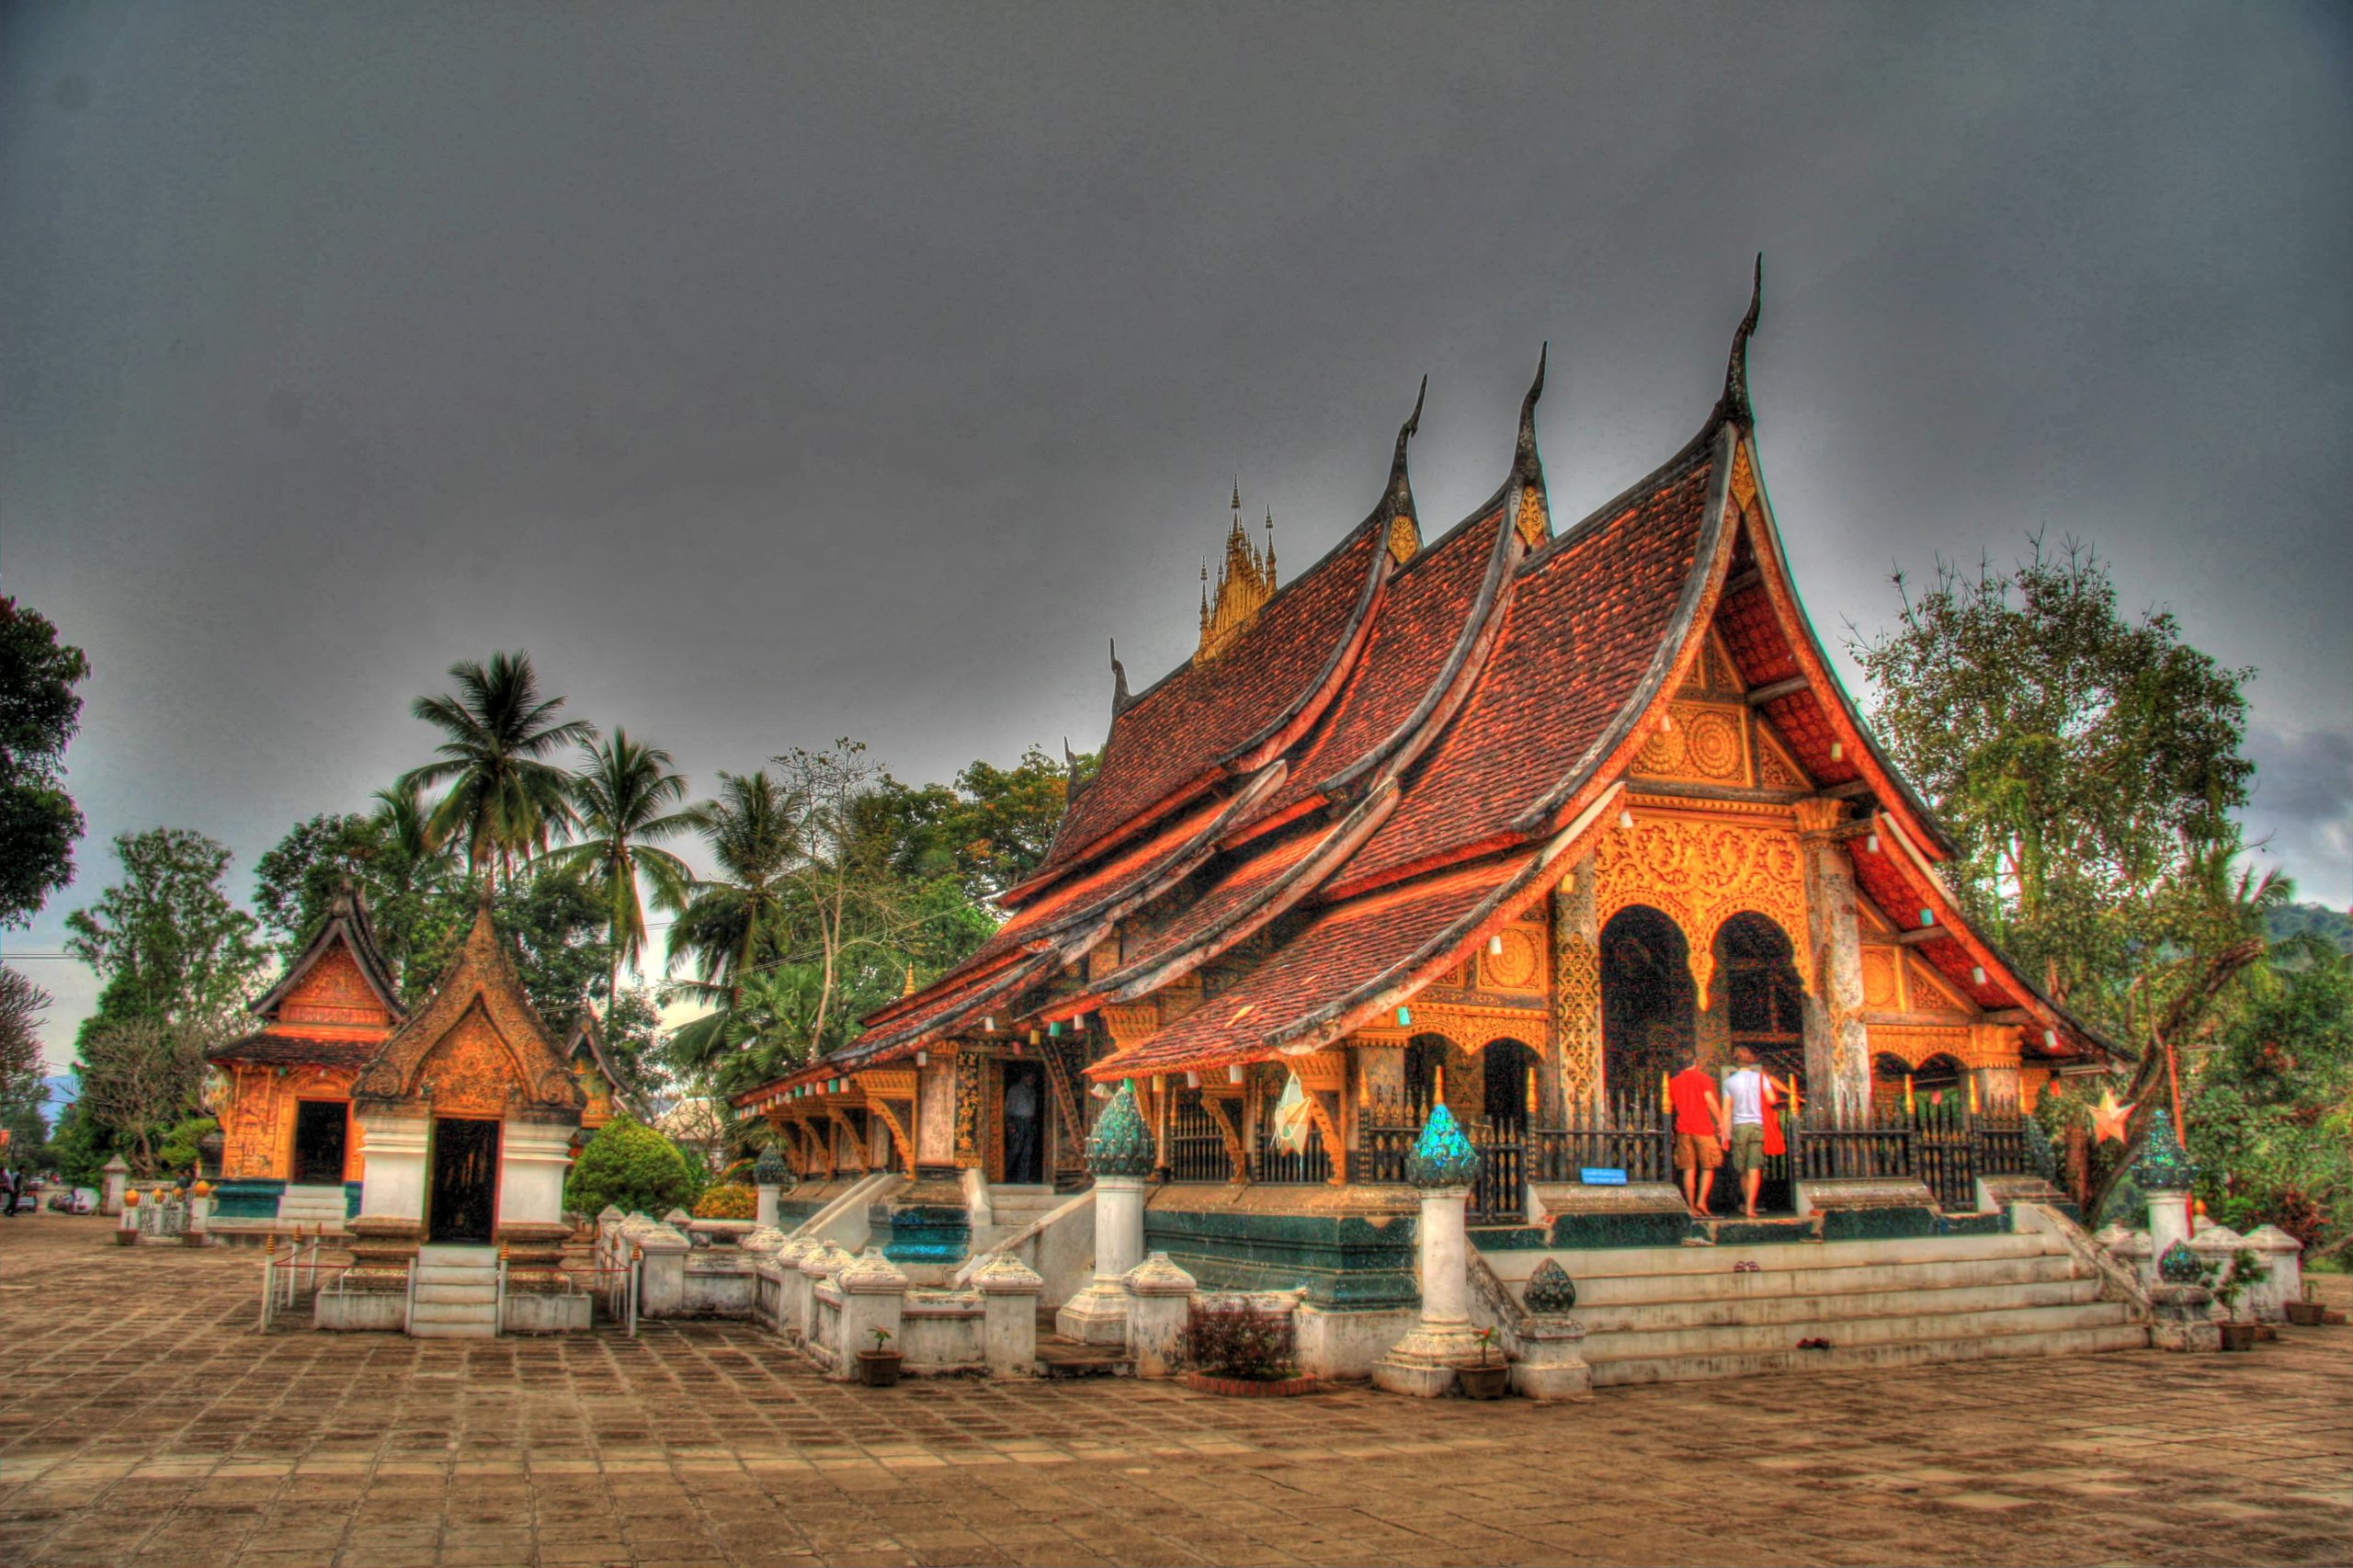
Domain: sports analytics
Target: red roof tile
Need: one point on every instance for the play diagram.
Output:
(1584, 620)
(1343, 951)
(269, 1049)
(1202, 715)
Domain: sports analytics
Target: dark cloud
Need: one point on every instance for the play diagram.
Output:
(777, 373)
(2302, 808)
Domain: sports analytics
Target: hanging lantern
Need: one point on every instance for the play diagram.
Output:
(1927, 919)
(1192, 1080)
(1977, 974)
(1625, 819)
(1870, 840)
(1234, 1072)
(1495, 943)
(1053, 1031)
(1405, 1016)
(923, 1057)
(1666, 724)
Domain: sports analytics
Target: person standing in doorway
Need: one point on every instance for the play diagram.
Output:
(1701, 1132)
(1744, 1101)
(1021, 1110)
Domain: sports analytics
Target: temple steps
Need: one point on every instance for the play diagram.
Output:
(1857, 1357)
(454, 1293)
(1667, 1314)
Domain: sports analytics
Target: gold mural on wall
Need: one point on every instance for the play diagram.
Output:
(470, 1072)
(1707, 742)
(1701, 873)
(1513, 963)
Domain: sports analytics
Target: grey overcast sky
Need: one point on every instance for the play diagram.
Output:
(774, 374)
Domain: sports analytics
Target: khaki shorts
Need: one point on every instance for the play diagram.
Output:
(1697, 1152)
(1748, 1148)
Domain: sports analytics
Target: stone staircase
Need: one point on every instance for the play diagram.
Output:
(1014, 1210)
(309, 1207)
(456, 1293)
(1669, 1314)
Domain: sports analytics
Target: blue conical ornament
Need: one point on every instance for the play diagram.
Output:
(1121, 1144)
(2165, 1165)
(1442, 1156)
(769, 1169)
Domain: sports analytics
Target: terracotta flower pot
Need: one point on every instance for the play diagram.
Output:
(1483, 1383)
(2238, 1336)
(878, 1368)
(2306, 1314)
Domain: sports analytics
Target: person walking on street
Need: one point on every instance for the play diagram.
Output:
(1701, 1132)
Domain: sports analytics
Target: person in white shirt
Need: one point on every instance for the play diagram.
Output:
(1745, 1096)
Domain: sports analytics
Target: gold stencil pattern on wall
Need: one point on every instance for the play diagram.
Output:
(1703, 742)
(1700, 874)
(1512, 965)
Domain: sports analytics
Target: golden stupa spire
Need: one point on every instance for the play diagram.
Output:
(1245, 581)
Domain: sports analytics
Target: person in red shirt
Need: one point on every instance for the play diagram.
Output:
(1702, 1130)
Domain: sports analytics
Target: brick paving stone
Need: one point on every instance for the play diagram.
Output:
(143, 1419)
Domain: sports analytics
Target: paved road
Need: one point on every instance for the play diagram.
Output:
(143, 1419)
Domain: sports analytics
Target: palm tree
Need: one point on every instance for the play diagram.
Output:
(728, 919)
(621, 797)
(505, 798)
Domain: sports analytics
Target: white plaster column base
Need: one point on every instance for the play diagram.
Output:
(1424, 1362)
(533, 1160)
(393, 1187)
(1009, 1291)
(1097, 1315)
(1160, 1300)
(764, 1206)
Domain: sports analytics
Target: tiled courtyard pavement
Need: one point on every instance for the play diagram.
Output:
(143, 1419)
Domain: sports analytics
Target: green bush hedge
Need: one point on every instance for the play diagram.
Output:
(631, 1167)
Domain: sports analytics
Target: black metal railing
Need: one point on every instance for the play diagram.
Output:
(1944, 1150)
(1498, 1191)
(1195, 1148)
(1856, 1148)
(1623, 1132)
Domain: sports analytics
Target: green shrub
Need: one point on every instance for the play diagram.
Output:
(727, 1202)
(178, 1150)
(631, 1167)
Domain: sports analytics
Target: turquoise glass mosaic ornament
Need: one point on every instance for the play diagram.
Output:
(1120, 1145)
(2165, 1165)
(769, 1170)
(1550, 1291)
(1442, 1156)
(2181, 1265)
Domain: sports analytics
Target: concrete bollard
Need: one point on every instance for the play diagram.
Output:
(1009, 1291)
(874, 1305)
(1160, 1298)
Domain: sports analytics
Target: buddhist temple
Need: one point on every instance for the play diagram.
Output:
(1505, 818)
(290, 1156)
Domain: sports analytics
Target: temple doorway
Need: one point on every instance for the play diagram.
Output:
(1765, 1006)
(1510, 1073)
(1647, 1002)
(462, 1203)
(319, 1138)
(1024, 1123)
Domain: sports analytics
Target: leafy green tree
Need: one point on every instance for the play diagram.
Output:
(2085, 764)
(636, 1044)
(625, 798)
(166, 939)
(729, 926)
(506, 800)
(178, 1150)
(24, 1087)
(2270, 1109)
(627, 1166)
(140, 1076)
(39, 711)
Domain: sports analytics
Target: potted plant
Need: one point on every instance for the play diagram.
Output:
(1240, 1351)
(1486, 1379)
(2242, 1274)
(2310, 1311)
(879, 1368)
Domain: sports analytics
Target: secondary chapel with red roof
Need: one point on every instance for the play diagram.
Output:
(1508, 816)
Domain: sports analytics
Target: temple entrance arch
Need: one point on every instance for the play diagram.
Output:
(1764, 1000)
(462, 1203)
(320, 1142)
(1508, 1073)
(1647, 1001)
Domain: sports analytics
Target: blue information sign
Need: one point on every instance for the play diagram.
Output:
(1600, 1175)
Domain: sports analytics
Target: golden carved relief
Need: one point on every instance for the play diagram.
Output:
(1512, 964)
(1926, 990)
(1705, 742)
(335, 991)
(1700, 874)
(1774, 768)
(470, 1072)
(1879, 977)
(1403, 539)
(1914, 1044)
(1530, 522)
(1744, 478)
(1577, 991)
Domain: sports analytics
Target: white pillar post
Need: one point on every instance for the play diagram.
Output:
(1009, 1291)
(1160, 1298)
(1443, 1166)
(1122, 1154)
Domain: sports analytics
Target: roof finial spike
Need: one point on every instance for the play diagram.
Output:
(1237, 499)
(1119, 697)
(1734, 406)
(1525, 465)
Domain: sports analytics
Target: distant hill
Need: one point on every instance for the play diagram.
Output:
(2329, 925)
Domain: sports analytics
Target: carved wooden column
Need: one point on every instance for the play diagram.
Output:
(1712, 1026)
(1576, 990)
(1838, 1049)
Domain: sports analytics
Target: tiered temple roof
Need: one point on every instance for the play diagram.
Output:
(1407, 745)
(336, 1002)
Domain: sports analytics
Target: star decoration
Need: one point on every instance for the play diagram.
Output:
(2109, 1118)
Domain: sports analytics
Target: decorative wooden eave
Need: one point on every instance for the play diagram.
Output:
(1929, 922)
(346, 925)
(480, 978)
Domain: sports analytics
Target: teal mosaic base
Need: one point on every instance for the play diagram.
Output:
(1509, 1238)
(1345, 1263)
(928, 1233)
(248, 1197)
(1994, 1225)
(1762, 1232)
(1656, 1229)
(351, 1199)
(1878, 1224)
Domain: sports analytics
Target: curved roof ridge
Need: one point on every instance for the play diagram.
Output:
(347, 918)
